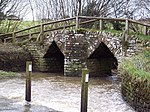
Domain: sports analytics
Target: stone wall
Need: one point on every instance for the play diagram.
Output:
(136, 92)
(75, 54)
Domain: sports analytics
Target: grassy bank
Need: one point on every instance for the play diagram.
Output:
(10, 26)
(137, 66)
(7, 74)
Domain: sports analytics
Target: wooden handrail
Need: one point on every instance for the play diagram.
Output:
(48, 23)
(90, 19)
(32, 27)
(102, 18)
(137, 22)
(115, 19)
(66, 26)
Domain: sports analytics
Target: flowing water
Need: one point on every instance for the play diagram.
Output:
(55, 93)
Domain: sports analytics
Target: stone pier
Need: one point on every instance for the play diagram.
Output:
(75, 54)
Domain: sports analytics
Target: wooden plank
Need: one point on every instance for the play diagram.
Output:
(57, 21)
(27, 29)
(102, 18)
(114, 19)
(48, 23)
(77, 22)
(137, 22)
(3, 36)
(145, 30)
(67, 26)
(101, 24)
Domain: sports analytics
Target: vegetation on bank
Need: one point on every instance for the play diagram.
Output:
(7, 74)
(137, 66)
(7, 26)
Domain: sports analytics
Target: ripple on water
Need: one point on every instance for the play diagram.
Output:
(63, 94)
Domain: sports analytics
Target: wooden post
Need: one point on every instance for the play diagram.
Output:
(28, 80)
(101, 24)
(126, 30)
(14, 38)
(5, 41)
(145, 30)
(77, 22)
(42, 33)
(84, 90)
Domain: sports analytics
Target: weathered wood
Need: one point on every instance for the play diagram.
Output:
(84, 90)
(42, 33)
(77, 22)
(28, 81)
(101, 24)
(27, 28)
(48, 23)
(115, 19)
(126, 30)
(14, 38)
(145, 30)
(58, 21)
(140, 23)
(3, 36)
(102, 18)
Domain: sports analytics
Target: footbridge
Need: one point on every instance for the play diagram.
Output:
(68, 45)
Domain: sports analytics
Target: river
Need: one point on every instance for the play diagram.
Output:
(57, 93)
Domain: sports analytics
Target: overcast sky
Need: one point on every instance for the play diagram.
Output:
(27, 14)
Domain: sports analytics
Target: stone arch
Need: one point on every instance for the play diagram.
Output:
(101, 61)
(54, 59)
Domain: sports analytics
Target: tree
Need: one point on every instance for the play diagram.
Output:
(79, 7)
(143, 8)
(55, 9)
(11, 8)
(96, 8)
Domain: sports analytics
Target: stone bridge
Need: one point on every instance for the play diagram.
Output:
(59, 46)
(69, 52)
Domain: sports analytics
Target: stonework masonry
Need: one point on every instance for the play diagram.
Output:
(76, 50)
(136, 92)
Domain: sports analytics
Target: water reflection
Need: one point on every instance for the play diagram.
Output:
(51, 92)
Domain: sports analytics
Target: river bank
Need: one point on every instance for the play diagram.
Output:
(13, 58)
(135, 85)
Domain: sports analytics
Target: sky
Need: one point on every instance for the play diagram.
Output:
(28, 13)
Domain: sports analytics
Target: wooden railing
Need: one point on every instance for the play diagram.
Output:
(38, 31)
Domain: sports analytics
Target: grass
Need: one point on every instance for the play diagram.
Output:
(140, 36)
(114, 31)
(10, 26)
(7, 74)
(138, 66)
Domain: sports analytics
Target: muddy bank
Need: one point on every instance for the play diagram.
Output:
(13, 58)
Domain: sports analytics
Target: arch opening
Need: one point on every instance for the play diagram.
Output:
(54, 59)
(102, 61)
